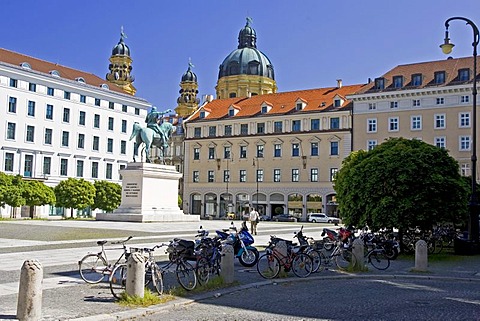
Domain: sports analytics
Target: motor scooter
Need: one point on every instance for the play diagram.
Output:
(242, 241)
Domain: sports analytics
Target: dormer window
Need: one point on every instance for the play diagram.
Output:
(231, 112)
(265, 107)
(464, 74)
(80, 79)
(202, 114)
(397, 81)
(55, 73)
(379, 83)
(25, 65)
(104, 86)
(337, 103)
(439, 77)
(300, 104)
(264, 110)
(417, 80)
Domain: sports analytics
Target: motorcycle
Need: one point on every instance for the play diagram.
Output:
(242, 241)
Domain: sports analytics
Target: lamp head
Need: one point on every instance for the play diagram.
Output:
(447, 46)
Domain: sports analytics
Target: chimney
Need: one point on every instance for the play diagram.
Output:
(339, 83)
(209, 98)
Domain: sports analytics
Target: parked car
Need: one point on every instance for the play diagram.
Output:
(322, 218)
(284, 218)
(265, 218)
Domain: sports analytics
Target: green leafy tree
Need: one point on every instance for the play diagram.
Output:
(74, 194)
(36, 194)
(108, 195)
(12, 192)
(401, 183)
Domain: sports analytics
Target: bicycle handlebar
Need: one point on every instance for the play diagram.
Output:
(123, 242)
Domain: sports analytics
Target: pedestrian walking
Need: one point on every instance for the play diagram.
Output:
(254, 218)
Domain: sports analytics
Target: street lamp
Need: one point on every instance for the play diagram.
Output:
(256, 179)
(227, 178)
(473, 229)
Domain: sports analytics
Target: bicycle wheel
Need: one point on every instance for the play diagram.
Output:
(317, 260)
(345, 259)
(302, 265)
(379, 260)
(157, 279)
(186, 276)
(268, 266)
(203, 270)
(92, 268)
(118, 280)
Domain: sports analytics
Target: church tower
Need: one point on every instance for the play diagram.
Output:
(188, 101)
(246, 71)
(121, 66)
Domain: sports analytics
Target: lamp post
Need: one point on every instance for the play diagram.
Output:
(255, 163)
(473, 229)
(227, 178)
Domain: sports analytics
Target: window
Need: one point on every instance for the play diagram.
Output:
(416, 79)
(260, 149)
(277, 150)
(243, 151)
(49, 112)
(28, 165)
(393, 124)
(295, 149)
(11, 130)
(123, 147)
(94, 169)
(30, 134)
(97, 102)
(440, 142)
(226, 176)
(31, 108)
(333, 148)
(394, 104)
(109, 145)
(227, 152)
(111, 105)
(32, 87)
(81, 118)
(465, 99)
(96, 143)
(295, 175)
(379, 83)
(276, 175)
(439, 121)
(48, 136)
(397, 81)
(96, 121)
(66, 95)
(83, 99)
(372, 125)
(465, 170)
(242, 176)
(314, 124)
(372, 106)
(371, 144)
(314, 149)
(211, 152)
(65, 136)
(63, 167)
(211, 176)
(81, 141)
(124, 126)
(228, 130)
(124, 108)
(416, 122)
(9, 162)
(110, 123)
(50, 91)
(463, 74)
(212, 131)
(259, 175)
(337, 103)
(12, 105)
(79, 168)
(244, 129)
(197, 132)
(47, 165)
(298, 106)
(333, 172)
(416, 102)
(439, 77)
(440, 101)
(13, 82)
(278, 126)
(196, 153)
(260, 128)
(231, 112)
(464, 120)
(314, 175)
(137, 111)
(296, 126)
(232, 95)
(66, 115)
(334, 123)
(264, 110)
(109, 171)
(464, 143)
(196, 176)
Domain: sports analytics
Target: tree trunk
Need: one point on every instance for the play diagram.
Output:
(71, 212)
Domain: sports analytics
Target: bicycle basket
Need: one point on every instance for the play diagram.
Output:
(181, 247)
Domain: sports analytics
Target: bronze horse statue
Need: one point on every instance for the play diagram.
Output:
(150, 138)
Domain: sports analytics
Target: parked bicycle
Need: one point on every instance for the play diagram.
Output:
(94, 266)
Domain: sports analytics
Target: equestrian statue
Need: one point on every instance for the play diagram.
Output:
(154, 134)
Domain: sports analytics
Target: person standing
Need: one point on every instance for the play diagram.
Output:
(254, 218)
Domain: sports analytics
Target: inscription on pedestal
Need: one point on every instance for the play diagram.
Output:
(131, 190)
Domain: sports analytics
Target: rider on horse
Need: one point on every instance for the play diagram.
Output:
(152, 120)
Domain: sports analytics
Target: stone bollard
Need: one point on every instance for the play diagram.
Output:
(358, 251)
(29, 305)
(227, 264)
(421, 256)
(136, 275)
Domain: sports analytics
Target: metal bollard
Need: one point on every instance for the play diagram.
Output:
(29, 304)
(358, 250)
(227, 264)
(136, 275)
(421, 255)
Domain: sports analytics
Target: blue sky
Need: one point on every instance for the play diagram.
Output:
(311, 43)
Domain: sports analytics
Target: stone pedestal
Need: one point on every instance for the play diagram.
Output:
(149, 194)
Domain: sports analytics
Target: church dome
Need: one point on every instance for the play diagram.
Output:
(121, 49)
(247, 59)
(189, 75)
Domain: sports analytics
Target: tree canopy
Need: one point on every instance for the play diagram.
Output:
(108, 195)
(401, 183)
(74, 194)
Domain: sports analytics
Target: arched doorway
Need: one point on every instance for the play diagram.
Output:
(295, 205)
(331, 207)
(314, 203)
(210, 205)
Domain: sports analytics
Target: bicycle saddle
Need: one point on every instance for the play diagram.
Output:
(102, 242)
